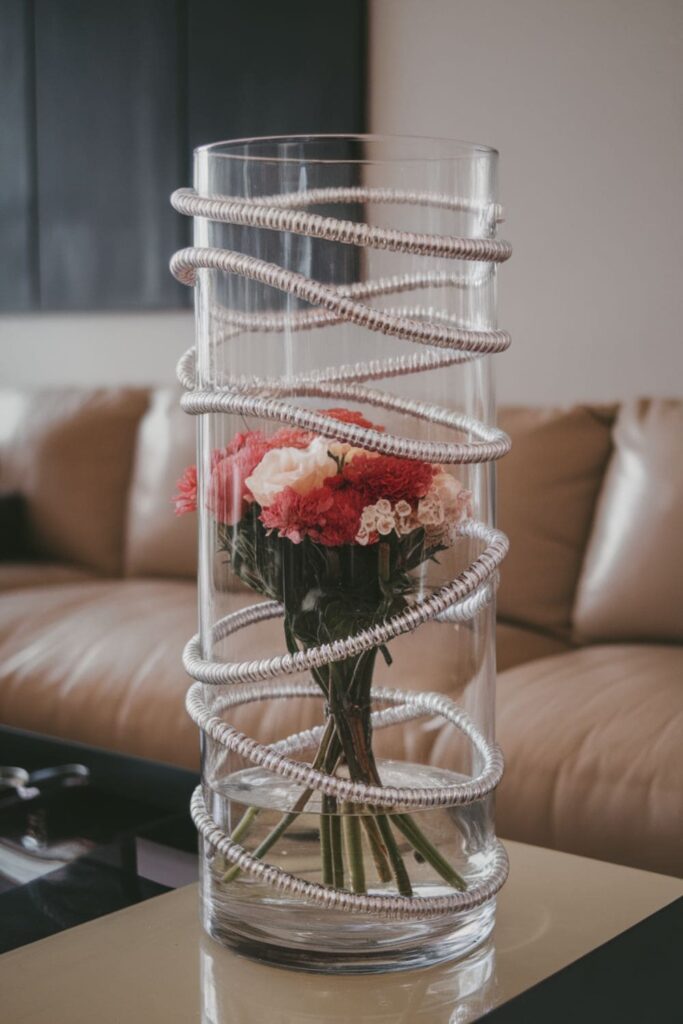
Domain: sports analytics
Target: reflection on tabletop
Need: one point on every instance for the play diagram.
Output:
(234, 990)
(238, 991)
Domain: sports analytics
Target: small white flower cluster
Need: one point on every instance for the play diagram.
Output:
(379, 518)
(439, 512)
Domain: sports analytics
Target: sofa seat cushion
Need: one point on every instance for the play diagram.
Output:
(592, 741)
(516, 645)
(99, 663)
(15, 575)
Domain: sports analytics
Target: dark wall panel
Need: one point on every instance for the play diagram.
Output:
(102, 103)
(268, 67)
(18, 252)
(110, 150)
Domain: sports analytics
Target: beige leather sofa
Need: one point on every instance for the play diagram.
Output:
(590, 690)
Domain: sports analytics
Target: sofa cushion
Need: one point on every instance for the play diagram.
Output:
(547, 488)
(592, 743)
(100, 663)
(159, 543)
(69, 453)
(631, 585)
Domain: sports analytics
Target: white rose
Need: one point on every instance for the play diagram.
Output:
(302, 469)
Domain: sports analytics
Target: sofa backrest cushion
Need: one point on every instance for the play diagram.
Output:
(631, 585)
(69, 454)
(159, 543)
(547, 489)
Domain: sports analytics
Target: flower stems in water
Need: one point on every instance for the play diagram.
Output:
(395, 858)
(335, 828)
(326, 844)
(346, 739)
(377, 848)
(354, 847)
(418, 840)
(248, 818)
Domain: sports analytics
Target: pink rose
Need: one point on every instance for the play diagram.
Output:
(228, 491)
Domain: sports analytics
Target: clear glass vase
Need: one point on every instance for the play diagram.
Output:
(345, 662)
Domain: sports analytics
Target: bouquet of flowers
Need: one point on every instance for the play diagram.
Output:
(334, 533)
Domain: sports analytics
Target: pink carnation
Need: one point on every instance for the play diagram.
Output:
(186, 498)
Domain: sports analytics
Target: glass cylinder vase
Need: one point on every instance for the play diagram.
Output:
(344, 669)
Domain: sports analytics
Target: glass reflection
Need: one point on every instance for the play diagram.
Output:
(240, 991)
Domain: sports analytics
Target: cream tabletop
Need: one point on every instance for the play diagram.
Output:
(151, 963)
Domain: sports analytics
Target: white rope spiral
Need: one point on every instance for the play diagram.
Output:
(447, 340)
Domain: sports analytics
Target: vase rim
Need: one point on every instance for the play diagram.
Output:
(451, 149)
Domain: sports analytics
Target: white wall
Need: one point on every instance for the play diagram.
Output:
(92, 348)
(583, 98)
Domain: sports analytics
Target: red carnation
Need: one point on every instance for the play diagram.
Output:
(342, 519)
(387, 476)
(290, 437)
(349, 416)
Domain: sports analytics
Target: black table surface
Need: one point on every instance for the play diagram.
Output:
(129, 804)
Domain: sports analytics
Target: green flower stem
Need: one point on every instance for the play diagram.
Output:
(336, 844)
(250, 815)
(326, 844)
(417, 839)
(263, 847)
(377, 848)
(244, 824)
(395, 858)
(354, 847)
